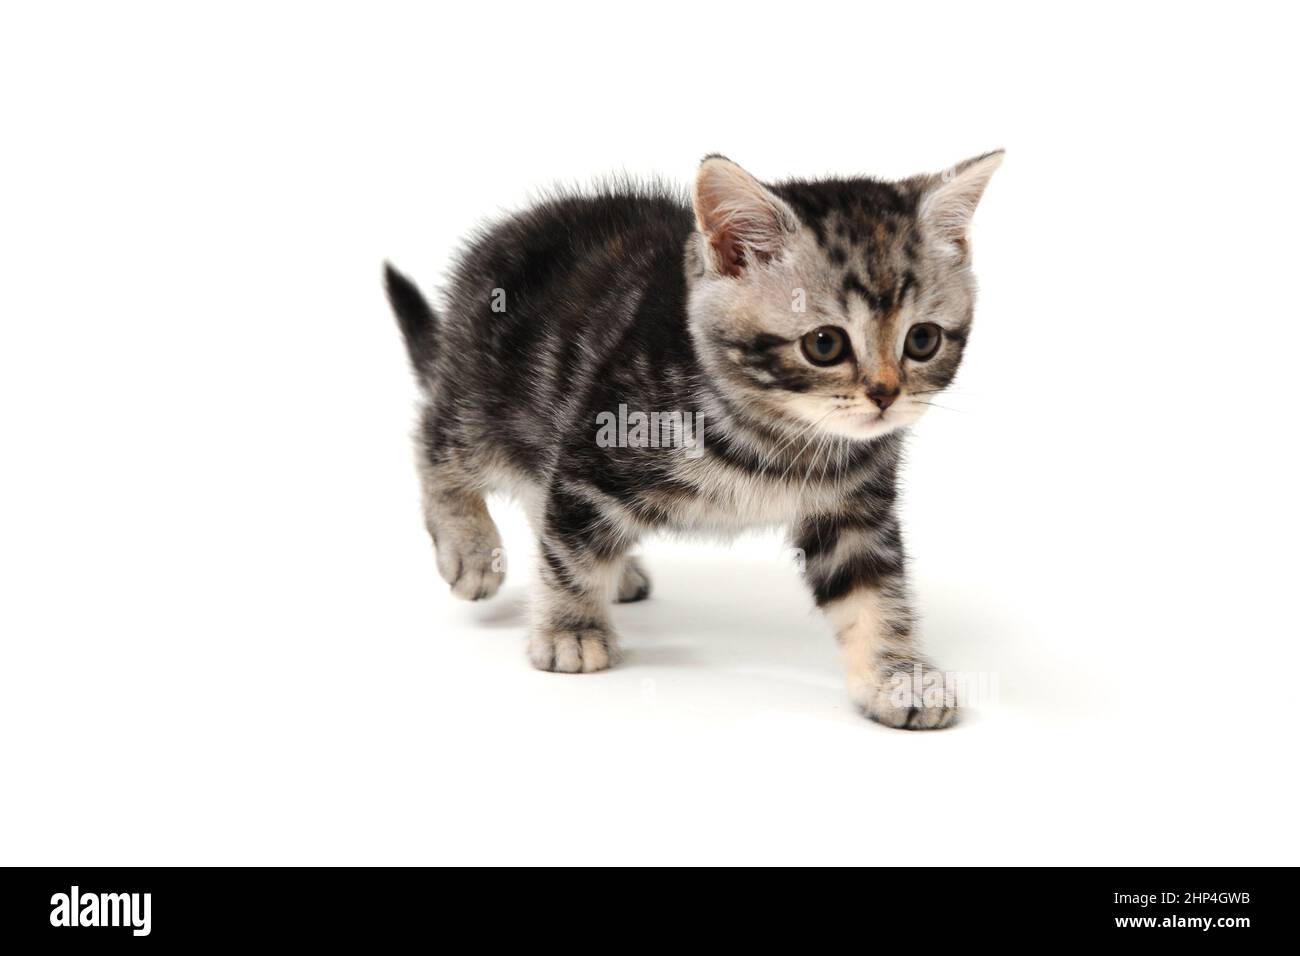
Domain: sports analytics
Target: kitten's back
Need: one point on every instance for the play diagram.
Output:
(549, 301)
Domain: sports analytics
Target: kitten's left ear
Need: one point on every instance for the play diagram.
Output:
(741, 219)
(950, 198)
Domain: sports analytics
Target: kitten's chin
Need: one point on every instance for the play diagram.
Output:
(867, 425)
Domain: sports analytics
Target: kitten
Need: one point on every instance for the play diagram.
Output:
(799, 327)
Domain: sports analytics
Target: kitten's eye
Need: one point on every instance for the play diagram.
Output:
(825, 346)
(922, 341)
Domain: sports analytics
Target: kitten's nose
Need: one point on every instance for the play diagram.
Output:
(882, 395)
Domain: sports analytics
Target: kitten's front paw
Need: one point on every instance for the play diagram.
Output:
(909, 698)
(572, 651)
(634, 584)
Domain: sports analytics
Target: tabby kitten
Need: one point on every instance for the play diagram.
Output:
(800, 327)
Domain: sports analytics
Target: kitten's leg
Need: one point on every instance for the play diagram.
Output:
(469, 552)
(633, 580)
(633, 583)
(854, 564)
(582, 558)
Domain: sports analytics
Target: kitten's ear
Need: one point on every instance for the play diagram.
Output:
(950, 198)
(741, 220)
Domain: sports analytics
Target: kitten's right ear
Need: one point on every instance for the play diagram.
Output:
(741, 220)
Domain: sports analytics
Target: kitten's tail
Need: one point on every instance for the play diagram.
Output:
(415, 317)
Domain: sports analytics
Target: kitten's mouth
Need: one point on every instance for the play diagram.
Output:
(862, 419)
(858, 420)
(870, 422)
(863, 423)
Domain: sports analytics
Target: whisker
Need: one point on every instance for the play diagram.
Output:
(794, 460)
(771, 458)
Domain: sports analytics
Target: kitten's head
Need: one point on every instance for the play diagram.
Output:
(843, 303)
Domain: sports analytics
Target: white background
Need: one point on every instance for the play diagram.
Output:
(222, 637)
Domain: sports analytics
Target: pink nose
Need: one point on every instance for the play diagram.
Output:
(882, 396)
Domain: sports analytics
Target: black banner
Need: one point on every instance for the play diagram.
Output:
(936, 907)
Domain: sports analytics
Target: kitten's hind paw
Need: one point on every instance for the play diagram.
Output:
(573, 651)
(909, 699)
(473, 573)
(634, 584)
